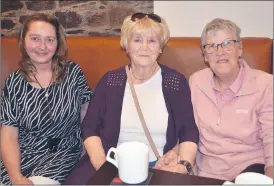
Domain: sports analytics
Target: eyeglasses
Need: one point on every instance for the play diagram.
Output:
(140, 15)
(227, 45)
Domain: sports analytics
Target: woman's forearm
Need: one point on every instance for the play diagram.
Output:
(187, 151)
(11, 157)
(95, 151)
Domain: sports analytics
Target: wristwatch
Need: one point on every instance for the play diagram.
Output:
(187, 165)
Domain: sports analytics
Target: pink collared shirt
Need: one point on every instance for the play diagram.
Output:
(244, 135)
(227, 96)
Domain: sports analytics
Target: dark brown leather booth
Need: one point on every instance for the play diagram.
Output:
(97, 55)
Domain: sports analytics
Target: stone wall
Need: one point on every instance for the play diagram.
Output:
(84, 18)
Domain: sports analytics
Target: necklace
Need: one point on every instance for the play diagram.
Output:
(47, 95)
(143, 79)
(46, 89)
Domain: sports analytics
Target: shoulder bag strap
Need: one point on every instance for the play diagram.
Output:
(134, 95)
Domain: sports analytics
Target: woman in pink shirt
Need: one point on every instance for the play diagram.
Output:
(233, 107)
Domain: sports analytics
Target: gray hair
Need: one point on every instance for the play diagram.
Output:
(220, 24)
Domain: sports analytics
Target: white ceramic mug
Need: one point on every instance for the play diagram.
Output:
(252, 178)
(36, 180)
(131, 159)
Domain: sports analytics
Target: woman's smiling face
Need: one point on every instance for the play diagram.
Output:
(41, 42)
(223, 62)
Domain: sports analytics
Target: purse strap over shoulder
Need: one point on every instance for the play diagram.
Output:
(140, 114)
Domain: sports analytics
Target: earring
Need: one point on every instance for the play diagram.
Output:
(160, 51)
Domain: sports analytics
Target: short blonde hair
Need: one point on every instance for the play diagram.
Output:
(146, 24)
(220, 24)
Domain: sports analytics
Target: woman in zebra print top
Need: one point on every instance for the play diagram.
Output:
(43, 104)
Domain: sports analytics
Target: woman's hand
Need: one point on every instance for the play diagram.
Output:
(269, 172)
(170, 158)
(22, 180)
(169, 162)
(178, 168)
(98, 163)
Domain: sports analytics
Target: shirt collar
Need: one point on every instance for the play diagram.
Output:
(236, 85)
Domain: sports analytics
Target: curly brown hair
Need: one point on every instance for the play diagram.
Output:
(59, 60)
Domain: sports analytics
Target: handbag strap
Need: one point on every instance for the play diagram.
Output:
(141, 116)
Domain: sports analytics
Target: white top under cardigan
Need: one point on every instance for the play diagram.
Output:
(152, 103)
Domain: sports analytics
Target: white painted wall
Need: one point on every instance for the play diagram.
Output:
(188, 18)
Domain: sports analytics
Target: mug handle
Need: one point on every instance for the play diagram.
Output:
(111, 160)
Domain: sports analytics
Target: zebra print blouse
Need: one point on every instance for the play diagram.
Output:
(49, 126)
